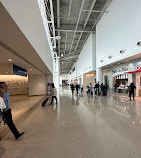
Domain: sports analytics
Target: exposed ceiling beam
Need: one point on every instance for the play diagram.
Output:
(58, 23)
(69, 10)
(102, 12)
(63, 40)
(94, 11)
(66, 42)
(72, 28)
(78, 40)
(77, 23)
(89, 12)
(68, 30)
(88, 16)
(62, 17)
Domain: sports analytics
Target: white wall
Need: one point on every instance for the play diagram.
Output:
(37, 84)
(120, 29)
(86, 60)
(49, 78)
(26, 15)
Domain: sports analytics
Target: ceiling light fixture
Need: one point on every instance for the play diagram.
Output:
(30, 69)
(9, 59)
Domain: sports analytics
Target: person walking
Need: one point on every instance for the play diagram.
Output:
(97, 88)
(54, 94)
(7, 111)
(91, 88)
(72, 88)
(132, 87)
(77, 88)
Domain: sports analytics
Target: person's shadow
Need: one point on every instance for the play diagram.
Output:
(72, 100)
(77, 101)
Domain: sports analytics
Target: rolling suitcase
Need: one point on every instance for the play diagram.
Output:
(45, 101)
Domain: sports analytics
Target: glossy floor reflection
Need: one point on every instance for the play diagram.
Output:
(19, 105)
(79, 127)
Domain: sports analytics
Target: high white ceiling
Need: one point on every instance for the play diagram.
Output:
(74, 21)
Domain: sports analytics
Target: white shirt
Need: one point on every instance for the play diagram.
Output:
(2, 104)
(54, 92)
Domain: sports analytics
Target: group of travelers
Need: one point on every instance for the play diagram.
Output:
(77, 87)
(97, 89)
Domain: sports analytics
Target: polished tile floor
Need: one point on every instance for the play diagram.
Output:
(19, 105)
(79, 127)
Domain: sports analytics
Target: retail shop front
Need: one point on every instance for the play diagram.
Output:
(135, 75)
(116, 78)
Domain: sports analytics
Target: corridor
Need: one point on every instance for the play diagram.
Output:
(79, 127)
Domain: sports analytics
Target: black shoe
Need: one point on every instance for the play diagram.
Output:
(19, 135)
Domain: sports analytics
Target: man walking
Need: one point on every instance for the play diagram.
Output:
(7, 112)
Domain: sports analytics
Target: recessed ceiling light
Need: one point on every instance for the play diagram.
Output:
(9, 59)
(118, 63)
(30, 69)
(62, 67)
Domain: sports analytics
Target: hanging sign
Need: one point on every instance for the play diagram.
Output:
(19, 71)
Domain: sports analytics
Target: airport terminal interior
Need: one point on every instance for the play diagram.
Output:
(70, 79)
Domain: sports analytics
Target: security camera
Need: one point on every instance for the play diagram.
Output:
(122, 51)
(139, 43)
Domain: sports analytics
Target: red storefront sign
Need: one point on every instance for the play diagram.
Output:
(131, 72)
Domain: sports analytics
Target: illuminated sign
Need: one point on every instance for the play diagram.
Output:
(19, 71)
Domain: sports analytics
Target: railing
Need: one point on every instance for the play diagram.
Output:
(46, 10)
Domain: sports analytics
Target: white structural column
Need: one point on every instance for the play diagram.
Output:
(99, 75)
(56, 72)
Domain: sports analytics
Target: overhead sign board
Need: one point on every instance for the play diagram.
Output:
(19, 71)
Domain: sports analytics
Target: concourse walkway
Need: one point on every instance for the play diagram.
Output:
(79, 127)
